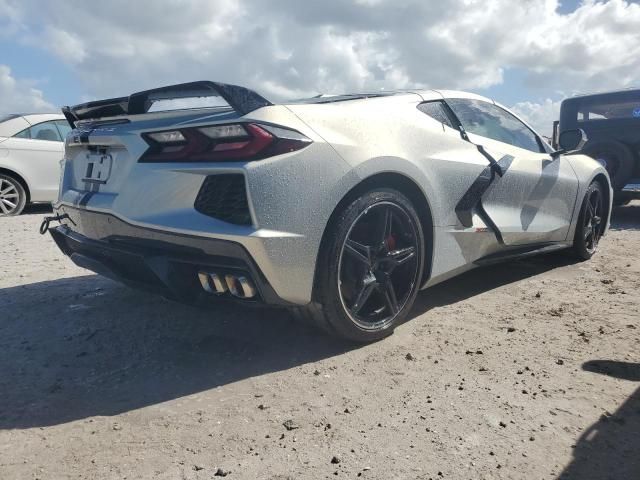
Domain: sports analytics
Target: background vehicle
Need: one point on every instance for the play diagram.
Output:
(341, 207)
(612, 123)
(30, 153)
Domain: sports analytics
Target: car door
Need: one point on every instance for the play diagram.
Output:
(534, 199)
(36, 152)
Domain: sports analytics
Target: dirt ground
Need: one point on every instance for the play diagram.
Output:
(528, 370)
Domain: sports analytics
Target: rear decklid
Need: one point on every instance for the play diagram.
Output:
(105, 146)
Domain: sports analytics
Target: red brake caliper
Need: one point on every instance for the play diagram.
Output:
(391, 242)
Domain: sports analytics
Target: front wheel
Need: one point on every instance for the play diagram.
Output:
(13, 197)
(370, 267)
(591, 222)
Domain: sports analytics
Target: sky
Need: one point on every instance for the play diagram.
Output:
(525, 54)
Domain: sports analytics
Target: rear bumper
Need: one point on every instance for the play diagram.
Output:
(632, 188)
(161, 262)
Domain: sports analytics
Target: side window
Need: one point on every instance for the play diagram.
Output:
(26, 133)
(436, 111)
(607, 107)
(42, 131)
(45, 131)
(63, 127)
(491, 121)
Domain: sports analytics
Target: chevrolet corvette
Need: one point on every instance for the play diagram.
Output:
(340, 207)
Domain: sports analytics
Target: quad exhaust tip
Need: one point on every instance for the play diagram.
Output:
(238, 285)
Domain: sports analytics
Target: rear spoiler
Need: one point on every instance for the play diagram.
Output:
(241, 99)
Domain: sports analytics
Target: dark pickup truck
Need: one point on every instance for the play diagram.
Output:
(612, 123)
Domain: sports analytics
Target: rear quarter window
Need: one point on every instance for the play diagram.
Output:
(436, 110)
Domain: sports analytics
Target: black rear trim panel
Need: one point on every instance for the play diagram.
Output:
(150, 259)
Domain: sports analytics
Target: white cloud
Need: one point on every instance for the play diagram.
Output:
(539, 115)
(293, 48)
(19, 96)
(65, 45)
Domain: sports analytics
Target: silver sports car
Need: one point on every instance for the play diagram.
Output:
(341, 207)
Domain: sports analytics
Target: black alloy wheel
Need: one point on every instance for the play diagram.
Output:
(591, 222)
(378, 265)
(370, 267)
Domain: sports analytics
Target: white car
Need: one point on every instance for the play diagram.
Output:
(31, 147)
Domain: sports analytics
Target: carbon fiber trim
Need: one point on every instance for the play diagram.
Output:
(471, 199)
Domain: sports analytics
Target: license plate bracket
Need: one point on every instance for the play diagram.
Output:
(98, 169)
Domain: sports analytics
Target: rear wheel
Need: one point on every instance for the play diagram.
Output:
(13, 197)
(616, 158)
(591, 222)
(369, 267)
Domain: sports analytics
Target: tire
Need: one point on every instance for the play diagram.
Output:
(618, 160)
(591, 222)
(369, 267)
(13, 197)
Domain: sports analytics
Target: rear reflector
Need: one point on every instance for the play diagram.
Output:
(219, 143)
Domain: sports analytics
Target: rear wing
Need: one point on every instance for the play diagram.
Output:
(241, 99)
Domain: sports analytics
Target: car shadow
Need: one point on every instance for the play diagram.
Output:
(85, 346)
(37, 208)
(627, 217)
(487, 278)
(79, 347)
(610, 448)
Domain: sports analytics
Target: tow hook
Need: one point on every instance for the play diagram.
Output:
(44, 226)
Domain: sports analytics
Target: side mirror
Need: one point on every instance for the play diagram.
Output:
(571, 141)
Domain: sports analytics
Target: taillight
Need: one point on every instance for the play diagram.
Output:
(218, 143)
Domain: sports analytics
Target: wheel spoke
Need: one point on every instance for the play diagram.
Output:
(385, 226)
(358, 251)
(7, 202)
(390, 296)
(9, 195)
(596, 205)
(367, 289)
(403, 255)
(3, 208)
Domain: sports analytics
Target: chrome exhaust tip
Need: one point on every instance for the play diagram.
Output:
(212, 283)
(219, 286)
(240, 286)
(205, 282)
